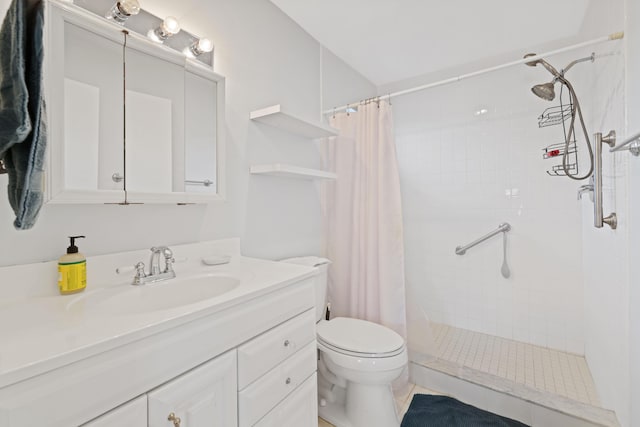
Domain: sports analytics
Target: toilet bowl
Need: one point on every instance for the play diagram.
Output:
(368, 357)
(358, 361)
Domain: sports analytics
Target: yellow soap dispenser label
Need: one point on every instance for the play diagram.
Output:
(72, 277)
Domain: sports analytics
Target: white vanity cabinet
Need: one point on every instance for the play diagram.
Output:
(244, 364)
(130, 414)
(198, 398)
(274, 365)
(298, 409)
(202, 397)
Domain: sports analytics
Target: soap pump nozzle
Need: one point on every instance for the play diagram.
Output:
(73, 249)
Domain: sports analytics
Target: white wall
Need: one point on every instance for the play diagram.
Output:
(633, 126)
(267, 59)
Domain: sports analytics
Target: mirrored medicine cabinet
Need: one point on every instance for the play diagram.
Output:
(130, 120)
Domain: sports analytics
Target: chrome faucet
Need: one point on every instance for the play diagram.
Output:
(588, 188)
(156, 274)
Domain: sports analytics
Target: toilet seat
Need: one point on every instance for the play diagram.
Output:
(359, 338)
(359, 354)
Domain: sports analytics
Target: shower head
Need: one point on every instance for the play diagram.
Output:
(544, 63)
(545, 91)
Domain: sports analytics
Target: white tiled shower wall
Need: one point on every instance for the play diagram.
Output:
(605, 251)
(462, 174)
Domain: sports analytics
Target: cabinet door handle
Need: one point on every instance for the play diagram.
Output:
(286, 343)
(288, 381)
(116, 177)
(176, 420)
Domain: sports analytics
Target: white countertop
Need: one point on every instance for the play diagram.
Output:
(44, 332)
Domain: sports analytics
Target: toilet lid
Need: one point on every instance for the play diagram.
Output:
(359, 336)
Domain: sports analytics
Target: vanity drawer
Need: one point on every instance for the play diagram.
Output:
(264, 394)
(261, 354)
(299, 409)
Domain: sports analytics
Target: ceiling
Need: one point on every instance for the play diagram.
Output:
(393, 40)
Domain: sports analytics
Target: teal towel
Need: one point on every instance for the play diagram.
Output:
(23, 133)
(427, 410)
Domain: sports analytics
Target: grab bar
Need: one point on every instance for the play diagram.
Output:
(598, 215)
(633, 144)
(502, 228)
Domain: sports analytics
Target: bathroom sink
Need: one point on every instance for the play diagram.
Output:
(164, 295)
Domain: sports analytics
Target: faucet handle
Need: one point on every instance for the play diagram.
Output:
(140, 274)
(168, 259)
(169, 264)
(168, 253)
(585, 189)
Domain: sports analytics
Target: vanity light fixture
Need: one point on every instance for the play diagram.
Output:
(198, 47)
(169, 27)
(122, 10)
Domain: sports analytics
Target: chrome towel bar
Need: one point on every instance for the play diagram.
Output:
(502, 228)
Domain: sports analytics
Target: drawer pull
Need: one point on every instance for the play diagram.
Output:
(287, 343)
(176, 420)
(288, 381)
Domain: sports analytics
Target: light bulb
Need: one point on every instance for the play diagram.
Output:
(122, 10)
(129, 7)
(199, 47)
(205, 45)
(169, 27)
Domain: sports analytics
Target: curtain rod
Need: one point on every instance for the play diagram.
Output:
(610, 37)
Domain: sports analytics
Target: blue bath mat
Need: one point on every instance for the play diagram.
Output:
(441, 411)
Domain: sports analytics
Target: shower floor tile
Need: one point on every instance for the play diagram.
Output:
(544, 369)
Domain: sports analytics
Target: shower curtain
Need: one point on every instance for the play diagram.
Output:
(363, 219)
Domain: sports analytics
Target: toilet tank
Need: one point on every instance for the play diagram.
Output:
(321, 265)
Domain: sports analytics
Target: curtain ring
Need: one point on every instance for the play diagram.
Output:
(334, 111)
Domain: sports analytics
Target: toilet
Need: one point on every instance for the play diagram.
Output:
(358, 360)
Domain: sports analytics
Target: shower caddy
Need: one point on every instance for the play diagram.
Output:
(556, 116)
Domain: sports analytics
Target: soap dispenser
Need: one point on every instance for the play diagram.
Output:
(72, 269)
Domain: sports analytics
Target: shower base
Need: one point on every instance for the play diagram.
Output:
(535, 385)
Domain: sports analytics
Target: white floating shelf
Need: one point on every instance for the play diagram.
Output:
(289, 171)
(274, 116)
